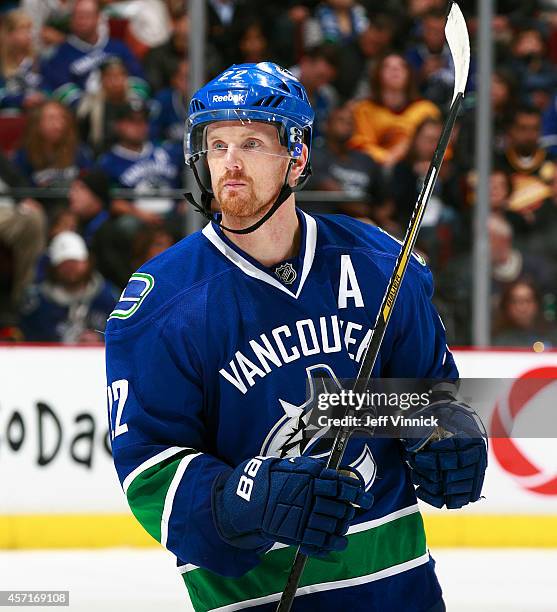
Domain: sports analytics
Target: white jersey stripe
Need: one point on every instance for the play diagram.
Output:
(392, 516)
(328, 586)
(165, 454)
(171, 493)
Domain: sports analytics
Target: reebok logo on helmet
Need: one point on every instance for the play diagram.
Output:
(236, 97)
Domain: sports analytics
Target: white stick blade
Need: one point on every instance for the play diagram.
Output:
(456, 33)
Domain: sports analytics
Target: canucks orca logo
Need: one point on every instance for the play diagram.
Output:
(295, 434)
(286, 273)
(137, 289)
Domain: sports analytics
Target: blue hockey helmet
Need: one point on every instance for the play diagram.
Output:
(262, 92)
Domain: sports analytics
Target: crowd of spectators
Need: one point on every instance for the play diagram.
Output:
(93, 98)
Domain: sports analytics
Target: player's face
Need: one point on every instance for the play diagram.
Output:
(247, 164)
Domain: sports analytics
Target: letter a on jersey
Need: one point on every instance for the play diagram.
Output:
(348, 286)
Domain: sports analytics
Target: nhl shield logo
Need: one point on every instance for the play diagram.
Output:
(286, 273)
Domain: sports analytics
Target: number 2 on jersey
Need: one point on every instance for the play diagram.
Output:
(117, 392)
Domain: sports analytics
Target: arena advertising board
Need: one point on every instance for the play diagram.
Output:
(55, 462)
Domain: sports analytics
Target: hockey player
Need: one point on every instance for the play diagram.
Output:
(210, 352)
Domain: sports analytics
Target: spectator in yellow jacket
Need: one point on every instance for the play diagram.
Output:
(385, 123)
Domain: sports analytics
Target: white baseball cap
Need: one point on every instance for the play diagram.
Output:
(66, 246)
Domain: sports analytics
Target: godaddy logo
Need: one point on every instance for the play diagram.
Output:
(231, 96)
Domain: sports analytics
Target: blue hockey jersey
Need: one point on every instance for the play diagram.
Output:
(209, 355)
(74, 66)
(151, 168)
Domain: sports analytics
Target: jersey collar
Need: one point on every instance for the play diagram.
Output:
(252, 268)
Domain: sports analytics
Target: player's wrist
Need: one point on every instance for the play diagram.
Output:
(228, 529)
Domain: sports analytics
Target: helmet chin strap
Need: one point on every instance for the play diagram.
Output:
(207, 196)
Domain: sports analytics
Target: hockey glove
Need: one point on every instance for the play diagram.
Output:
(295, 501)
(448, 461)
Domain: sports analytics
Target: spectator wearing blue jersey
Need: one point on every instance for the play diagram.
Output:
(97, 111)
(20, 81)
(51, 155)
(72, 304)
(534, 71)
(137, 164)
(336, 21)
(73, 69)
(431, 59)
(168, 109)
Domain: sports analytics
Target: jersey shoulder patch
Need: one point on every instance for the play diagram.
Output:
(136, 291)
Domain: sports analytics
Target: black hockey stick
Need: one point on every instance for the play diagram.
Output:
(456, 33)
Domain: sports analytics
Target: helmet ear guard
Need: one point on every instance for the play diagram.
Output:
(249, 93)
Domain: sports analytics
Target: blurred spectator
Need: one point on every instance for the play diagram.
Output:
(160, 62)
(549, 129)
(168, 110)
(74, 302)
(535, 73)
(51, 155)
(418, 8)
(96, 111)
(20, 81)
(316, 70)
(386, 122)
(149, 242)
(22, 237)
(253, 42)
(287, 31)
(135, 163)
(89, 200)
(500, 189)
(73, 69)
(51, 19)
(222, 17)
(531, 169)
(503, 101)
(374, 42)
(431, 59)
(440, 224)
(519, 321)
(110, 238)
(338, 168)
(148, 23)
(336, 21)
(508, 264)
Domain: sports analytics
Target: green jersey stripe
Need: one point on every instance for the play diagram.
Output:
(388, 548)
(328, 586)
(148, 492)
(162, 456)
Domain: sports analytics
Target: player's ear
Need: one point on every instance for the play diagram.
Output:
(298, 166)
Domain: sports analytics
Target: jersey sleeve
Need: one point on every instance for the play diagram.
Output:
(419, 347)
(160, 442)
